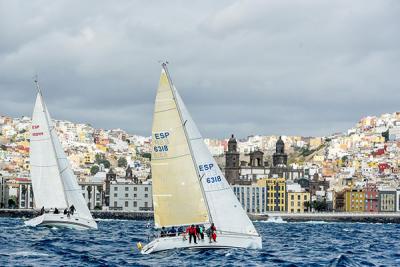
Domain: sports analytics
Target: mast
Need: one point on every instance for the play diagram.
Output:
(51, 137)
(164, 66)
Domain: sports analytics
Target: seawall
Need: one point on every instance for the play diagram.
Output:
(389, 217)
(29, 213)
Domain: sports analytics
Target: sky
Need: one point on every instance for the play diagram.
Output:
(264, 67)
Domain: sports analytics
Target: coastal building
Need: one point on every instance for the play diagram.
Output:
(127, 193)
(276, 193)
(252, 197)
(371, 198)
(387, 200)
(242, 172)
(298, 200)
(398, 200)
(355, 200)
(127, 196)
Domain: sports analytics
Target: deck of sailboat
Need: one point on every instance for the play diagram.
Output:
(224, 241)
(62, 221)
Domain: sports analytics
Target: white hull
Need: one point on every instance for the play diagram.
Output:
(225, 240)
(63, 221)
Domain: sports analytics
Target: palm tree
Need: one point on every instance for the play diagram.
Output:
(89, 190)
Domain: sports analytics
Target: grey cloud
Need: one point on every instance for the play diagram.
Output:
(245, 67)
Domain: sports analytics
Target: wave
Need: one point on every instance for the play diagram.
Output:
(28, 254)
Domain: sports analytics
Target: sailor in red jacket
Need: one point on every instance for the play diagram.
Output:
(191, 230)
(212, 232)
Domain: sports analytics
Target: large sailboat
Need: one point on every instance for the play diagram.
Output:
(53, 181)
(188, 186)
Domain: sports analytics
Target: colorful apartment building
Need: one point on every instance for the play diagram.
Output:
(296, 201)
(371, 198)
(276, 193)
(355, 200)
(387, 200)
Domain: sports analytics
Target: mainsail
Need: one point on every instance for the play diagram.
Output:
(221, 205)
(177, 196)
(53, 181)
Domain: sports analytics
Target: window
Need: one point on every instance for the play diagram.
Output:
(115, 188)
(292, 197)
(134, 204)
(146, 195)
(126, 188)
(145, 204)
(135, 188)
(146, 189)
(126, 203)
(298, 197)
(115, 204)
(126, 195)
(134, 195)
(115, 195)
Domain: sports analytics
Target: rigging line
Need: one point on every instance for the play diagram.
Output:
(179, 156)
(160, 111)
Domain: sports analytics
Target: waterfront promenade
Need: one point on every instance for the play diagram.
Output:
(387, 217)
(368, 217)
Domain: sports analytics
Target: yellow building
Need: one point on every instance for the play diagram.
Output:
(276, 193)
(296, 201)
(355, 200)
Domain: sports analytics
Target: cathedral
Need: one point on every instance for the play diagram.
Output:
(242, 172)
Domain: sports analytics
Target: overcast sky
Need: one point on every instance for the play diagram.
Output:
(243, 67)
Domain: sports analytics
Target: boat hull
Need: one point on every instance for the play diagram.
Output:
(223, 241)
(63, 221)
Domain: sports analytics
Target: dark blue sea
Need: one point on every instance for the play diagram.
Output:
(284, 244)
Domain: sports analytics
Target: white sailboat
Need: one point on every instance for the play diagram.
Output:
(53, 181)
(188, 186)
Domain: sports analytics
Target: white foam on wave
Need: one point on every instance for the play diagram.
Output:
(29, 254)
(274, 220)
(316, 222)
(109, 220)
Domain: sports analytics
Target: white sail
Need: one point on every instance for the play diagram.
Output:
(72, 190)
(46, 180)
(225, 210)
(54, 183)
(177, 196)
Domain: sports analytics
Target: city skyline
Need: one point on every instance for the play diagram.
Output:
(240, 67)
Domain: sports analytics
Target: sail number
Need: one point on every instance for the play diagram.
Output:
(161, 135)
(214, 179)
(163, 148)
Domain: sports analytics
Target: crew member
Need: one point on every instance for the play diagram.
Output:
(192, 233)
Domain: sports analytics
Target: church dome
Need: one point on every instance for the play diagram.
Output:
(280, 141)
(232, 139)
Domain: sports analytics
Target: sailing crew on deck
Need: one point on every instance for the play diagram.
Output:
(163, 232)
(72, 209)
(198, 232)
(42, 211)
(65, 211)
(201, 232)
(212, 233)
(191, 230)
(56, 211)
(172, 231)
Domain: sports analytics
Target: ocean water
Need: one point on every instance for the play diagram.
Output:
(284, 244)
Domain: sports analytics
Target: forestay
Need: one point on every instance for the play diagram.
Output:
(177, 195)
